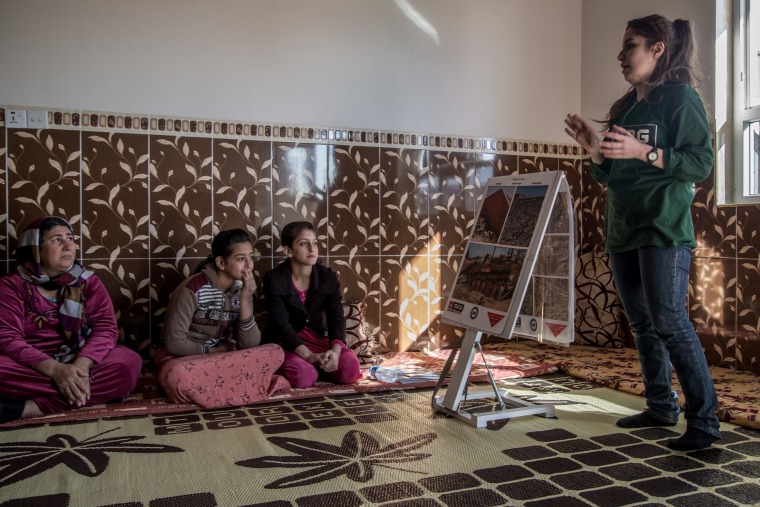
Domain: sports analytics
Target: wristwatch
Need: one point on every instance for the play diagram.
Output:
(652, 156)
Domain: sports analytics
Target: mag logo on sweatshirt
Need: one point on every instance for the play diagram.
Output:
(646, 133)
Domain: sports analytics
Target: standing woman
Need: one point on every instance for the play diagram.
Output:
(304, 305)
(657, 144)
(58, 330)
(211, 355)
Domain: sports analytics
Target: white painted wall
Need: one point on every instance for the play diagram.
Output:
(499, 68)
(604, 22)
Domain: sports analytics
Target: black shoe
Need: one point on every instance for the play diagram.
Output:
(642, 420)
(10, 410)
(692, 440)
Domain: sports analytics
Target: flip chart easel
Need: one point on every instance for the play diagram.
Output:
(522, 243)
(508, 406)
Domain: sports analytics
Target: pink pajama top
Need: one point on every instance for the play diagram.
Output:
(29, 332)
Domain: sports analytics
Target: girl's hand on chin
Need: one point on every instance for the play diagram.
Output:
(249, 284)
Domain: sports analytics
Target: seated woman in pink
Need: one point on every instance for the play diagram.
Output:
(303, 302)
(211, 355)
(58, 330)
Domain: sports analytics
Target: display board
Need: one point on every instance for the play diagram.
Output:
(517, 273)
(516, 277)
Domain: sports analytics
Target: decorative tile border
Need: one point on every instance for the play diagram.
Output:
(94, 120)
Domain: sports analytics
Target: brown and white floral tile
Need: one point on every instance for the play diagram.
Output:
(537, 164)
(354, 199)
(712, 307)
(493, 165)
(443, 274)
(359, 282)
(180, 199)
(243, 189)
(404, 201)
(442, 335)
(573, 169)
(165, 276)
(299, 188)
(42, 178)
(260, 266)
(114, 195)
(593, 198)
(405, 301)
(714, 227)
(705, 191)
(747, 237)
(748, 315)
(128, 284)
(453, 200)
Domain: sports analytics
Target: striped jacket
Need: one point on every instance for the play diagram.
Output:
(202, 319)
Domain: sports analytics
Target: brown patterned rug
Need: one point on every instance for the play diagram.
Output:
(738, 391)
(378, 448)
(423, 370)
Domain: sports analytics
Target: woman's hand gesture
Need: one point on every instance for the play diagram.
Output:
(619, 143)
(583, 134)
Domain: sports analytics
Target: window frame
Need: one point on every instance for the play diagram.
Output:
(743, 114)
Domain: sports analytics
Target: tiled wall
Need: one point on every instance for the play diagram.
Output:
(393, 212)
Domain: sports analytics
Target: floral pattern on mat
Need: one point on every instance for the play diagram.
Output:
(355, 458)
(738, 391)
(148, 399)
(89, 457)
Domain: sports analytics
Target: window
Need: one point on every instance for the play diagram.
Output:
(745, 186)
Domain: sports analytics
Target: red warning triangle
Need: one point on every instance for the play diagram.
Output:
(556, 329)
(495, 318)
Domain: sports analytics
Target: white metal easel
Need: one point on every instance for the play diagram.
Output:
(450, 402)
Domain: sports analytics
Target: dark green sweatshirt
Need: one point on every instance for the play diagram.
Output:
(647, 206)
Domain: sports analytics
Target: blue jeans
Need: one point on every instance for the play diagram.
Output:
(652, 283)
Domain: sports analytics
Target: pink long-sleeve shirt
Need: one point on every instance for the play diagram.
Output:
(29, 332)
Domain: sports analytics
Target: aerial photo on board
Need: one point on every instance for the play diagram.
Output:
(493, 214)
(489, 275)
(523, 215)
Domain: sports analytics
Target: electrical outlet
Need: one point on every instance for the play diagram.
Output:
(37, 119)
(15, 118)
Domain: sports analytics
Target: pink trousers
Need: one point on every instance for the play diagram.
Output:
(302, 374)
(112, 378)
(225, 379)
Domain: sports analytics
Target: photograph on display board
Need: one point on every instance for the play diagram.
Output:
(553, 257)
(523, 216)
(528, 305)
(493, 214)
(488, 275)
(559, 221)
(507, 283)
(551, 295)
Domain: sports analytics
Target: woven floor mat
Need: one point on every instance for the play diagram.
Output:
(379, 448)
(738, 391)
(424, 367)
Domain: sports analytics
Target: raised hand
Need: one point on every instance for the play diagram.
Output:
(583, 134)
(619, 143)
